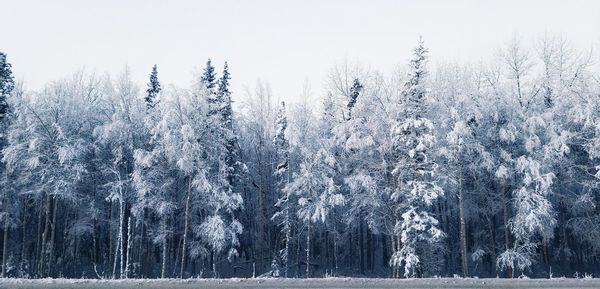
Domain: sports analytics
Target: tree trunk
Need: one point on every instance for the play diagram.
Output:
(546, 257)
(506, 232)
(121, 238)
(298, 258)
(463, 229)
(129, 237)
(335, 260)
(4, 248)
(323, 249)
(38, 245)
(185, 227)
(24, 255)
(394, 249)
(308, 250)
(370, 250)
(111, 237)
(361, 245)
(119, 247)
(287, 239)
(164, 248)
(212, 263)
(142, 243)
(44, 237)
(122, 241)
(52, 236)
(493, 252)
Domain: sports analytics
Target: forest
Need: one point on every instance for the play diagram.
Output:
(435, 170)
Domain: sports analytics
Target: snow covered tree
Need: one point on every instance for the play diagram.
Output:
(224, 95)
(414, 172)
(7, 84)
(116, 142)
(282, 174)
(357, 146)
(318, 193)
(208, 82)
(233, 167)
(153, 88)
(48, 144)
(534, 215)
(463, 160)
(6, 220)
(534, 219)
(260, 194)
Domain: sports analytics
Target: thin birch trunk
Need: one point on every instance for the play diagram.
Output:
(121, 239)
(164, 248)
(129, 237)
(119, 247)
(185, 227)
(308, 250)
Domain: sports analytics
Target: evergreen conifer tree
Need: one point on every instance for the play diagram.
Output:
(355, 91)
(153, 88)
(281, 173)
(416, 189)
(208, 83)
(7, 84)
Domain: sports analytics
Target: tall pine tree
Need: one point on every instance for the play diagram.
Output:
(415, 189)
(208, 81)
(7, 85)
(282, 175)
(225, 162)
(153, 88)
(229, 136)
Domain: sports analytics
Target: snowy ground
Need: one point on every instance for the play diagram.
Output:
(300, 283)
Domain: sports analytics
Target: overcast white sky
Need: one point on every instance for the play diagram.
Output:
(282, 42)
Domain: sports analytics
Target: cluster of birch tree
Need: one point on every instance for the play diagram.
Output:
(470, 170)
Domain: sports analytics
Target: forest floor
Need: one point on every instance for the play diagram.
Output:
(330, 283)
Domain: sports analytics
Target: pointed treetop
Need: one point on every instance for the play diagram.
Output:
(223, 98)
(417, 63)
(209, 76)
(414, 88)
(7, 84)
(279, 140)
(280, 126)
(281, 120)
(153, 88)
(223, 88)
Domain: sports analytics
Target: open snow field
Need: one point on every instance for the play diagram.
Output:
(340, 283)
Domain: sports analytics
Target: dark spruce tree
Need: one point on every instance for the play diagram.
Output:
(208, 82)
(230, 137)
(7, 84)
(354, 93)
(209, 76)
(224, 98)
(153, 88)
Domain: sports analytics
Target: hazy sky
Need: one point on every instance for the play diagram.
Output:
(282, 42)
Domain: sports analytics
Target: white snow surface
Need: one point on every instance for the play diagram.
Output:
(371, 283)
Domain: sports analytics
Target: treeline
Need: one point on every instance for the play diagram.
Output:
(487, 170)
